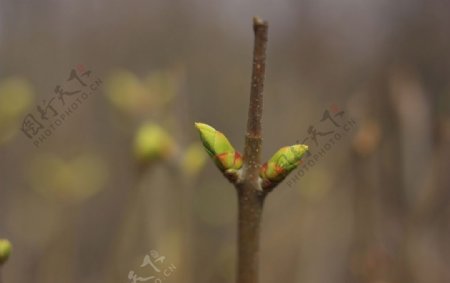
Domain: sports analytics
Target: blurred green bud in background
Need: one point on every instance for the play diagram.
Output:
(153, 143)
(5, 250)
(194, 159)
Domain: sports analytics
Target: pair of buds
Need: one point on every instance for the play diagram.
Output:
(229, 161)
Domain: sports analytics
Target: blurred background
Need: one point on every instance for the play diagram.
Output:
(120, 189)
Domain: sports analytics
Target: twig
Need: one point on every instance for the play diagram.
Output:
(250, 194)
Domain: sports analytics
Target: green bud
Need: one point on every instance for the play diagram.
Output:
(5, 250)
(193, 159)
(282, 163)
(219, 148)
(152, 142)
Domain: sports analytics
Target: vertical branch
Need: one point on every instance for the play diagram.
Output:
(250, 205)
(250, 195)
(253, 140)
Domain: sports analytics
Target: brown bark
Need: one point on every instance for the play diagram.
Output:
(250, 194)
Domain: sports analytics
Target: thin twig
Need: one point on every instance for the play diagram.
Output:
(250, 195)
(253, 139)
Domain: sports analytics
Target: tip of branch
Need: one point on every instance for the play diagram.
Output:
(258, 22)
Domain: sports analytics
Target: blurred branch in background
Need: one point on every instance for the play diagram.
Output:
(155, 99)
(396, 224)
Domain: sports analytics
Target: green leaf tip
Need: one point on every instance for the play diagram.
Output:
(219, 148)
(5, 250)
(283, 162)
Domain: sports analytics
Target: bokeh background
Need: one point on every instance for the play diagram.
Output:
(83, 206)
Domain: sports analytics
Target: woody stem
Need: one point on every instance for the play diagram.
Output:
(250, 195)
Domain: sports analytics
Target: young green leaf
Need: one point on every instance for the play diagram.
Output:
(284, 161)
(220, 149)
